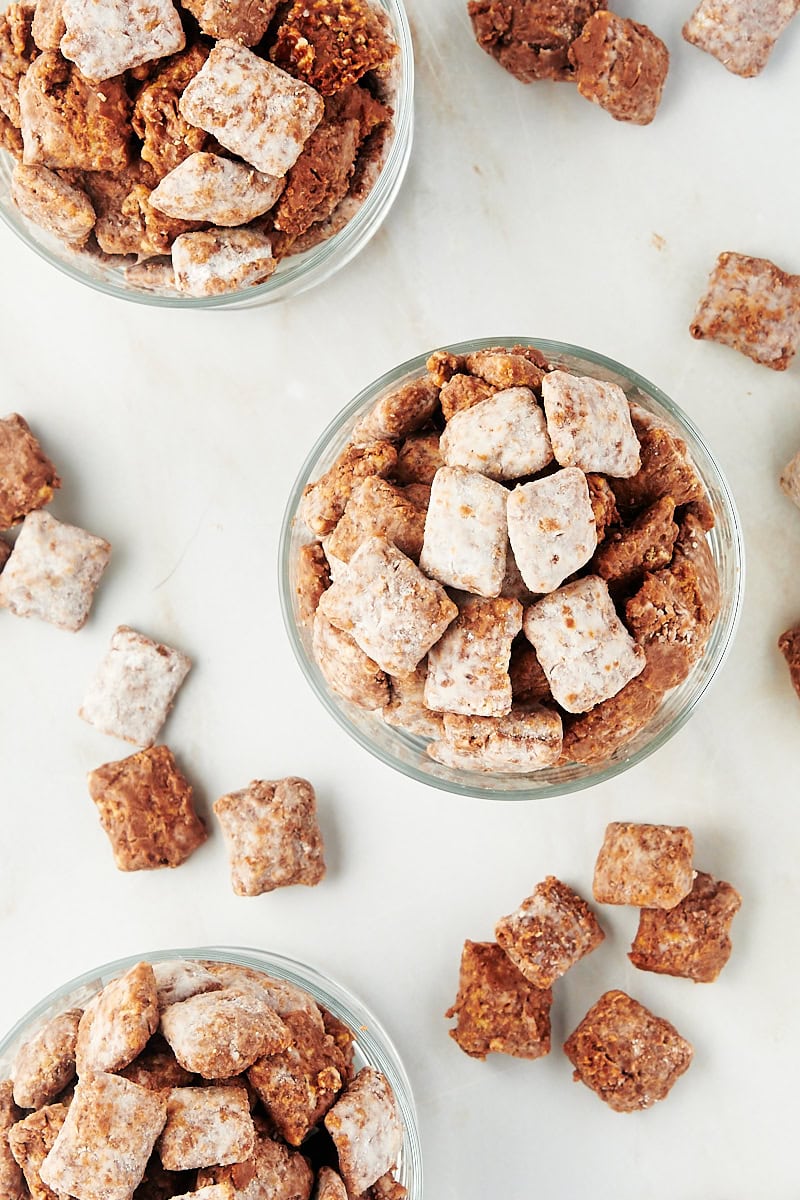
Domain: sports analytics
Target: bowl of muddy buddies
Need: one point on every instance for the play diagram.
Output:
(224, 1072)
(207, 153)
(511, 568)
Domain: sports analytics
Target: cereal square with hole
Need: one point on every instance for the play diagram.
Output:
(527, 739)
(752, 306)
(206, 1126)
(551, 528)
(646, 865)
(118, 1022)
(691, 940)
(497, 1009)
(221, 1034)
(466, 532)
(366, 1129)
(589, 422)
(468, 666)
(552, 930)
(28, 478)
(44, 1065)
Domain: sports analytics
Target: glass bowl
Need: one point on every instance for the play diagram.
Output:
(405, 752)
(294, 274)
(372, 1046)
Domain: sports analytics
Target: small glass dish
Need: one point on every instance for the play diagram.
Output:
(405, 752)
(294, 274)
(372, 1045)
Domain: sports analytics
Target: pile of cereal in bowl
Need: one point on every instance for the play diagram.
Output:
(195, 145)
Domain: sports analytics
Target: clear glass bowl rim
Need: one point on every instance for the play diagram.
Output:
(550, 348)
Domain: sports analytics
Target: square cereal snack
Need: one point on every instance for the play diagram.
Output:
(329, 1185)
(691, 940)
(178, 979)
(145, 807)
(752, 306)
(503, 437)
(367, 1130)
(549, 933)
(274, 1172)
(45, 1064)
(118, 1022)
(590, 425)
(740, 33)
(620, 65)
(206, 1127)
(378, 509)
(468, 666)
(157, 1068)
(646, 865)
(53, 572)
(106, 37)
(551, 528)
(332, 43)
(212, 261)
(466, 532)
(31, 1140)
(243, 22)
(50, 202)
(325, 500)
(498, 1010)
(221, 1034)
(135, 685)
(347, 670)
(629, 1057)
(273, 836)
(207, 187)
(400, 413)
(28, 479)
(526, 739)
(593, 737)
(530, 38)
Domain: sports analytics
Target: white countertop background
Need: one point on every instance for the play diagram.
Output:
(526, 211)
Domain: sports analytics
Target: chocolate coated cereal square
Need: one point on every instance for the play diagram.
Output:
(45, 1064)
(620, 65)
(752, 306)
(118, 1022)
(220, 1034)
(206, 1126)
(692, 939)
(550, 932)
(27, 476)
(468, 666)
(12, 1184)
(350, 672)
(740, 33)
(503, 437)
(646, 865)
(366, 1128)
(497, 1009)
(31, 1140)
(106, 37)
(551, 528)
(527, 739)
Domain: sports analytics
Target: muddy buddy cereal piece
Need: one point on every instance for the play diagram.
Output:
(325, 500)
(620, 65)
(53, 204)
(527, 739)
(522, 366)
(205, 187)
(366, 1128)
(12, 1184)
(167, 138)
(692, 939)
(53, 572)
(644, 545)
(313, 578)
(106, 37)
(666, 470)
(551, 931)
(589, 423)
(468, 667)
(418, 459)
(503, 437)
(217, 261)
(329, 1185)
(528, 681)
(28, 479)
(178, 980)
(604, 504)
(332, 43)
(272, 1173)
(377, 509)
(692, 549)
(350, 672)
(273, 836)
(102, 1149)
(282, 997)
(466, 532)
(626, 1055)
(407, 708)
(133, 691)
(399, 413)
(206, 1126)
(752, 306)
(244, 21)
(48, 26)
(118, 1022)
(219, 1034)
(461, 392)
(531, 38)
(252, 108)
(31, 1140)
(68, 123)
(740, 33)
(596, 735)
(45, 1065)
(388, 606)
(670, 620)
(127, 223)
(789, 646)
(586, 652)
(551, 528)
(157, 1068)
(497, 1009)
(646, 865)
(300, 1084)
(145, 807)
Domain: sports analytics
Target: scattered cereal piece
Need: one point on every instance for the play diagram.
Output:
(503, 437)
(461, 392)
(273, 836)
(168, 139)
(48, 26)
(589, 423)
(299, 1085)
(252, 107)
(350, 672)
(418, 459)
(53, 204)
(644, 545)
(31, 1140)
(28, 479)
(399, 413)
(595, 736)
(12, 1184)
(468, 666)
(145, 807)
(216, 261)
(527, 739)
(53, 572)
(549, 933)
(244, 21)
(324, 501)
(106, 37)
(646, 865)
(118, 1023)
(466, 532)
(407, 708)
(157, 1068)
(789, 646)
(329, 1185)
(752, 306)
(389, 607)
(206, 1127)
(620, 65)
(497, 1009)
(313, 578)
(332, 43)
(45, 1064)
(666, 470)
(740, 33)
(626, 1055)
(102, 1149)
(531, 38)
(692, 939)
(670, 621)
(69, 123)
(377, 509)
(320, 178)
(551, 528)
(586, 652)
(219, 1034)
(205, 187)
(366, 1128)
(522, 366)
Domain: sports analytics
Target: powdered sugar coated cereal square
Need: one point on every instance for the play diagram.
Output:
(106, 37)
(551, 528)
(206, 1126)
(589, 423)
(366, 1128)
(468, 666)
(504, 436)
(466, 532)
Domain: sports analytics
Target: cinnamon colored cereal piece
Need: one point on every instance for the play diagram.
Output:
(45, 1064)
(393, 611)
(329, 1185)
(530, 38)
(752, 306)
(399, 413)
(551, 528)
(17, 48)
(31, 1140)
(28, 479)
(252, 108)
(418, 459)
(503, 437)
(53, 572)
(670, 621)
(377, 509)
(407, 709)
(10, 138)
(157, 1068)
(589, 423)
(550, 932)
(127, 223)
(52, 203)
(205, 187)
(586, 652)
(528, 681)
(221, 260)
(332, 43)
(274, 1172)
(145, 807)
(366, 1128)
(646, 865)
(298, 1085)
(48, 26)
(466, 532)
(273, 836)
(104, 38)
(692, 939)
(12, 1184)
(522, 366)
(118, 1023)
(497, 1009)
(167, 137)
(350, 672)
(313, 578)
(283, 997)
(468, 666)
(626, 1055)
(644, 545)
(527, 739)
(179, 979)
(244, 21)
(740, 33)
(324, 501)
(320, 178)
(789, 646)
(219, 1034)
(620, 65)
(595, 736)
(386, 1188)
(443, 365)
(666, 470)
(102, 1149)
(134, 688)
(206, 1127)
(604, 504)
(461, 392)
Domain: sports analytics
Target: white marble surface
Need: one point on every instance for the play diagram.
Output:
(526, 210)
